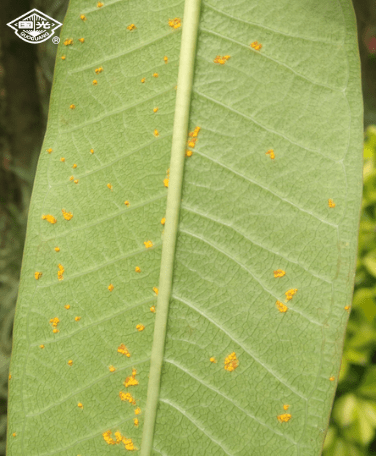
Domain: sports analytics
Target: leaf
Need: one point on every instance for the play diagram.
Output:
(236, 359)
(345, 411)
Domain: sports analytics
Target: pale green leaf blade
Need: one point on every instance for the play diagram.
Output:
(238, 213)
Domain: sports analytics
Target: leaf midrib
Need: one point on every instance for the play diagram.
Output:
(179, 138)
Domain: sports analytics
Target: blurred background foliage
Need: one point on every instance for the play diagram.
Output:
(26, 74)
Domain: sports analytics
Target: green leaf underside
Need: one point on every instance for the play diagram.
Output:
(240, 216)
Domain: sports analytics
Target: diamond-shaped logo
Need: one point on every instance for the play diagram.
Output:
(34, 27)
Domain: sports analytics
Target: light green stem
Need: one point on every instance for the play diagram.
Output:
(179, 139)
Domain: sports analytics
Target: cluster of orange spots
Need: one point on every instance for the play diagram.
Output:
(332, 378)
(152, 309)
(71, 178)
(131, 27)
(99, 5)
(77, 318)
(163, 221)
(49, 150)
(49, 218)
(279, 273)
(148, 244)
(347, 307)
(110, 287)
(62, 159)
(221, 60)
(14, 434)
(165, 59)
(110, 186)
(143, 80)
(155, 109)
(126, 203)
(81, 40)
(137, 269)
(95, 82)
(41, 346)
(155, 289)
(131, 381)
(290, 293)
(111, 368)
(67, 215)
(10, 376)
(63, 57)
(83, 17)
(37, 275)
(70, 362)
(67, 306)
(192, 140)
(231, 362)
(119, 439)
(271, 153)
(91, 151)
(137, 411)
(281, 307)
(135, 421)
(167, 179)
(140, 327)
(76, 181)
(60, 272)
(72, 106)
(284, 417)
(55, 321)
(174, 23)
(331, 203)
(195, 132)
(155, 75)
(123, 350)
(108, 439)
(80, 405)
(98, 70)
(74, 166)
(156, 133)
(286, 407)
(127, 397)
(213, 360)
(256, 45)
(68, 42)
